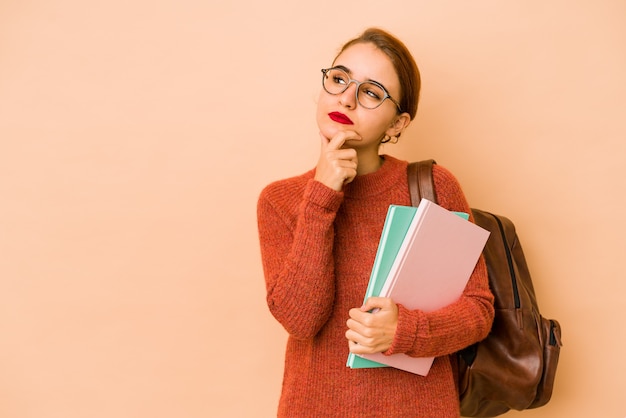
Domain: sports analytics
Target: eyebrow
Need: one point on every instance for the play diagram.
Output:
(347, 70)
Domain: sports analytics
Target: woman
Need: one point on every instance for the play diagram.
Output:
(319, 233)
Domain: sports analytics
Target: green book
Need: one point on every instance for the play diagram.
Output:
(396, 225)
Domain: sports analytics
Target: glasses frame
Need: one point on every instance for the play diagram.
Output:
(358, 84)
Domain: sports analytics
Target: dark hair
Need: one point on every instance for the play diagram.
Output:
(402, 61)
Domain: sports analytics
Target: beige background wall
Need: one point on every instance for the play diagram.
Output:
(136, 135)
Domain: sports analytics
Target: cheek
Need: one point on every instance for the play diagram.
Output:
(325, 125)
(321, 105)
(375, 127)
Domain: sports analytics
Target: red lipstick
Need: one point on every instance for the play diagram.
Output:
(340, 118)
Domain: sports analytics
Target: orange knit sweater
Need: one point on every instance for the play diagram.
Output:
(318, 248)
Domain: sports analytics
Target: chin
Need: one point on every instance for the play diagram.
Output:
(328, 131)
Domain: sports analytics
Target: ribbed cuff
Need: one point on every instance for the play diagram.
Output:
(406, 332)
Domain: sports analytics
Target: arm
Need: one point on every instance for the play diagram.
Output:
(296, 240)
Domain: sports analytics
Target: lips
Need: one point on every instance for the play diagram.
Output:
(340, 118)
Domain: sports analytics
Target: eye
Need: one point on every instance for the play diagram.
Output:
(371, 93)
(339, 78)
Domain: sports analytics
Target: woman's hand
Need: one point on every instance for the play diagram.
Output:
(337, 166)
(370, 333)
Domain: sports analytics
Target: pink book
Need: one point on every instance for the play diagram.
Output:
(431, 270)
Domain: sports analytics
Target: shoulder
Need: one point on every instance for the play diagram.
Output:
(444, 177)
(284, 192)
(448, 189)
(290, 185)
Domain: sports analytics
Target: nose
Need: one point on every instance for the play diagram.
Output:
(348, 97)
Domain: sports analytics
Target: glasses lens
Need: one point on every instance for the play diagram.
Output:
(336, 81)
(371, 95)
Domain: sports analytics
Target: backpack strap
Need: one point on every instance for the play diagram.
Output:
(421, 184)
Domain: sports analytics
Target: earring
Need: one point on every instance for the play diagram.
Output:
(389, 139)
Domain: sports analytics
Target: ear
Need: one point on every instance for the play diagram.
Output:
(398, 125)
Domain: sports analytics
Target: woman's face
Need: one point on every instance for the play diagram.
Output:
(341, 112)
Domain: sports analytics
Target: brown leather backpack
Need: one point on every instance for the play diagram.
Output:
(514, 367)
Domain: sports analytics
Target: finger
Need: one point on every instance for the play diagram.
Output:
(346, 158)
(360, 321)
(375, 303)
(358, 315)
(324, 141)
(352, 335)
(338, 140)
(352, 136)
(355, 326)
(359, 344)
(356, 348)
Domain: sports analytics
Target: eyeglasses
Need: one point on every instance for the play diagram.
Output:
(369, 94)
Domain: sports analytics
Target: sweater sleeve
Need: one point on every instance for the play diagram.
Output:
(468, 320)
(296, 240)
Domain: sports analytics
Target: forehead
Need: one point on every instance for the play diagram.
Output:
(366, 62)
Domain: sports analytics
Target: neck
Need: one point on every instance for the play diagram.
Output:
(368, 163)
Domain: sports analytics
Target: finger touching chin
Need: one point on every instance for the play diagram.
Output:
(328, 130)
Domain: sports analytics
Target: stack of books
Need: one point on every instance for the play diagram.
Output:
(425, 257)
